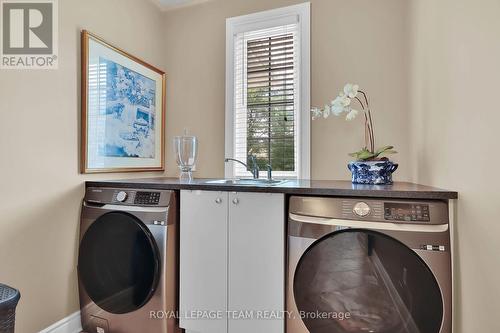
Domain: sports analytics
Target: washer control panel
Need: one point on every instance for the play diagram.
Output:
(147, 198)
(121, 196)
(397, 211)
(129, 197)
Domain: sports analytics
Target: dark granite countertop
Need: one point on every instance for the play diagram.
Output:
(297, 187)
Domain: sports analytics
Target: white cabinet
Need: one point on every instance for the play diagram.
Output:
(232, 244)
(256, 261)
(203, 260)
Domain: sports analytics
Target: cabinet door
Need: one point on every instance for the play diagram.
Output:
(256, 262)
(203, 260)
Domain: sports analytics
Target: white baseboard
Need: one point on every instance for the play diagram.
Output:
(70, 324)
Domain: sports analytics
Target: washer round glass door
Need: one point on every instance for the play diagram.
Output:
(359, 281)
(119, 263)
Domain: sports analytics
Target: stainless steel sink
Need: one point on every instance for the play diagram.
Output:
(247, 182)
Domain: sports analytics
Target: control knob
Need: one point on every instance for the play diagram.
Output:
(361, 209)
(121, 196)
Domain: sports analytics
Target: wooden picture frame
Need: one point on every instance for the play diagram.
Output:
(122, 110)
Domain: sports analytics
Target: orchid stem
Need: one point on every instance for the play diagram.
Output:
(372, 133)
(368, 132)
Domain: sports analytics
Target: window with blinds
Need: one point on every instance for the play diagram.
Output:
(266, 99)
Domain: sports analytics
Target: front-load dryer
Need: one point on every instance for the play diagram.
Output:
(361, 266)
(127, 261)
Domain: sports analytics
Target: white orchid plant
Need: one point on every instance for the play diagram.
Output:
(344, 104)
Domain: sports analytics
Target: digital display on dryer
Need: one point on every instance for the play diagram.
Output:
(414, 212)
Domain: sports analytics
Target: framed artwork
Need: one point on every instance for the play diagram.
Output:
(123, 110)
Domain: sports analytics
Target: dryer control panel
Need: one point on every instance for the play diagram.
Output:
(377, 210)
(400, 211)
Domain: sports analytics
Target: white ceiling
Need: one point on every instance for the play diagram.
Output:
(171, 4)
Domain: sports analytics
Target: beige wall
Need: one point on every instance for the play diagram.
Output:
(455, 116)
(352, 41)
(40, 187)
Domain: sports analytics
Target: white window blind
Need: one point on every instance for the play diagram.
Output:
(266, 99)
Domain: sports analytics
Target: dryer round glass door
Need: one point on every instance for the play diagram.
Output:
(358, 281)
(119, 263)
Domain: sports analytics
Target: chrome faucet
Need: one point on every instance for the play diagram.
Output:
(269, 172)
(253, 160)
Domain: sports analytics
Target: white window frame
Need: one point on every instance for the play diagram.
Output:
(301, 15)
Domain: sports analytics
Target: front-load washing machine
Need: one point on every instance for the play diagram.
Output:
(361, 266)
(127, 261)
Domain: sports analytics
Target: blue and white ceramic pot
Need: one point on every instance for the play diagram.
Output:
(372, 172)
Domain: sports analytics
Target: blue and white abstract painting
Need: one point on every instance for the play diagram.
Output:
(129, 112)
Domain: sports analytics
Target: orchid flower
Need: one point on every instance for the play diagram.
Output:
(316, 113)
(326, 111)
(351, 90)
(352, 114)
(342, 104)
